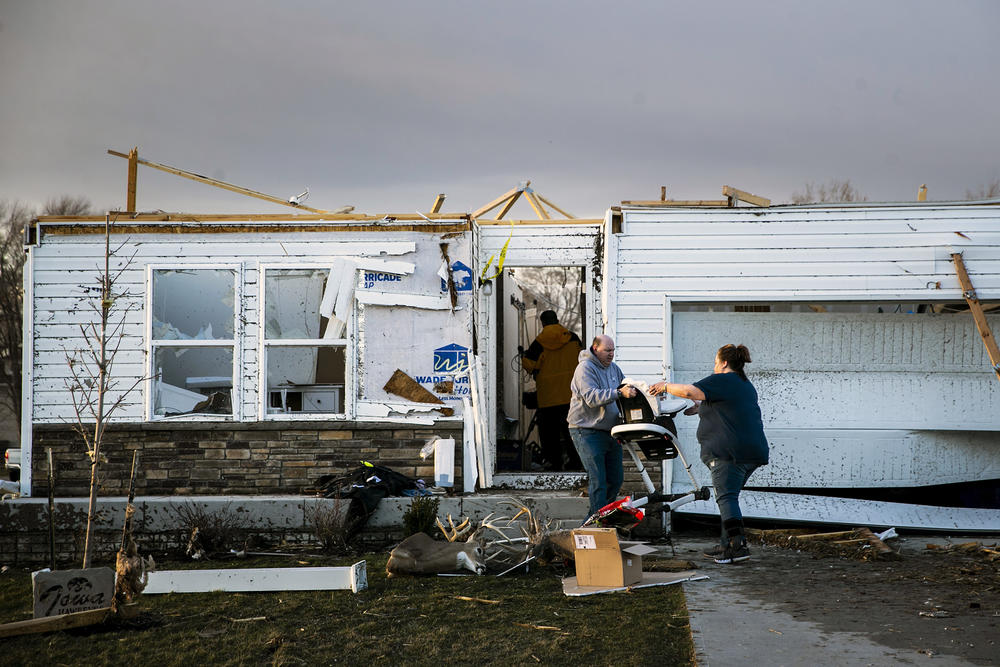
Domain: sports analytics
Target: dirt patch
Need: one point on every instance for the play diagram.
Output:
(938, 597)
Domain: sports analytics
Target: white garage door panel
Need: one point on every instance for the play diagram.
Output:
(835, 341)
(874, 371)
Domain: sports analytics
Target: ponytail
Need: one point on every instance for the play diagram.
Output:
(735, 357)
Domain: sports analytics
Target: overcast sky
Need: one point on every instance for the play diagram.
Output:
(382, 105)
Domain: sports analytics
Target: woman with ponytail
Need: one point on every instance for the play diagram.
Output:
(732, 440)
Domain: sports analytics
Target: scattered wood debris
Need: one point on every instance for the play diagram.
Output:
(859, 543)
(77, 619)
(990, 552)
(667, 565)
(532, 626)
(468, 599)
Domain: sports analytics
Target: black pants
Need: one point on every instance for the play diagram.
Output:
(553, 436)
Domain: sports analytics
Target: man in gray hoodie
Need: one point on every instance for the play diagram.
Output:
(596, 385)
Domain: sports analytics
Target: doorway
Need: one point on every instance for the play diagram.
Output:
(523, 295)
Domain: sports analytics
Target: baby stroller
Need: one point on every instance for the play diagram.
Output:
(655, 434)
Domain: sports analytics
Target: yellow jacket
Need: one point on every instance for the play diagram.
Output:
(551, 359)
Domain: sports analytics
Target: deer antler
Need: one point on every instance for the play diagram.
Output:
(456, 531)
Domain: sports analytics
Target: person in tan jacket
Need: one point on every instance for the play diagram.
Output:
(551, 359)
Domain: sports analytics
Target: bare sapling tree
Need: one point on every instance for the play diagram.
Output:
(557, 288)
(92, 385)
(836, 191)
(13, 219)
(989, 191)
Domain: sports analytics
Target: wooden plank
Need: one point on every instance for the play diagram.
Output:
(217, 183)
(321, 249)
(554, 207)
(55, 623)
(133, 165)
(537, 206)
(496, 202)
(507, 206)
(969, 292)
(331, 220)
(744, 196)
(438, 201)
(352, 578)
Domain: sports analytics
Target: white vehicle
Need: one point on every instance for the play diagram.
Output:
(12, 459)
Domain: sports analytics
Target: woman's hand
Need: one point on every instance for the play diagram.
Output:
(682, 390)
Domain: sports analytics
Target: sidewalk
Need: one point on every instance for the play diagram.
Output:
(733, 624)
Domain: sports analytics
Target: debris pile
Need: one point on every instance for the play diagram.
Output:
(858, 544)
(990, 553)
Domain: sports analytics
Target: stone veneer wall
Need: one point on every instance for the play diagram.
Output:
(225, 458)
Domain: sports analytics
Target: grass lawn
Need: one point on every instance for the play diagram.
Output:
(403, 620)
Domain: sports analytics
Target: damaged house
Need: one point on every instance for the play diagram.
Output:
(270, 350)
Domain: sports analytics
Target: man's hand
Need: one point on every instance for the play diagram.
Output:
(628, 391)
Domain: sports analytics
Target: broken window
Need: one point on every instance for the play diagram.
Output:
(305, 370)
(193, 341)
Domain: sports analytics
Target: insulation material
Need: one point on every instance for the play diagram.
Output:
(403, 385)
(408, 326)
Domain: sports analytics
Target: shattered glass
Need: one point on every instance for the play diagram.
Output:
(194, 304)
(292, 300)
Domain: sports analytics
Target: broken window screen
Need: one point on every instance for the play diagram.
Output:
(300, 378)
(193, 304)
(192, 380)
(305, 379)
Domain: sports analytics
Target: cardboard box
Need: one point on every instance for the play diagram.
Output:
(602, 561)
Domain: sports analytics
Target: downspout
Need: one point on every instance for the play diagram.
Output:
(608, 273)
(27, 364)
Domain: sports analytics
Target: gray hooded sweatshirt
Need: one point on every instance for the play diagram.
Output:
(594, 392)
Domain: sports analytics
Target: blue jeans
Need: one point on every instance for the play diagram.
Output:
(729, 478)
(601, 456)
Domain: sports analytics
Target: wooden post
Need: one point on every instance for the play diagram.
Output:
(437, 203)
(127, 529)
(977, 312)
(133, 169)
(52, 512)
(663, 193)
(922, 193)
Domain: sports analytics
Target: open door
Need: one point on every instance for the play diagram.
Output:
(524, 445)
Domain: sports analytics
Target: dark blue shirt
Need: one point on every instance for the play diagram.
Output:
(730, 427)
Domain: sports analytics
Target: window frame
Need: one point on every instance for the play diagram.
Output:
(263, 343)
(235, 344)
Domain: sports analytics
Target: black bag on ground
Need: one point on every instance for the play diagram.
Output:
(365, 487)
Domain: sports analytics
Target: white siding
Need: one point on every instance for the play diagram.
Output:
(66, 295)
(869, 254)
(858, 399)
